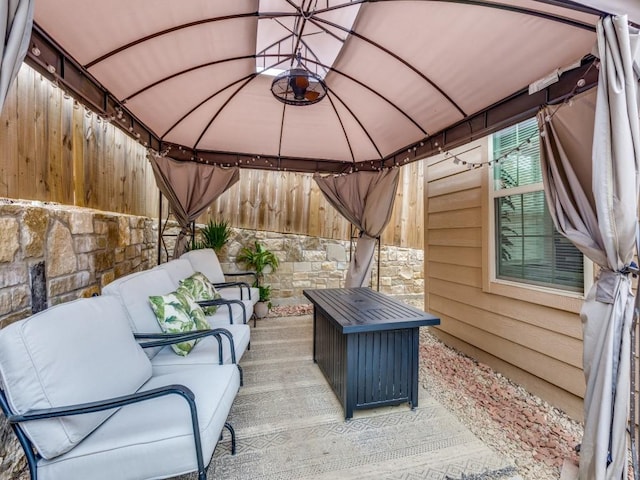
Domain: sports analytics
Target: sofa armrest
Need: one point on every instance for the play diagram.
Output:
(243, 274)
(118, 402)
(164, 339)
(228, 303)
(236, 284)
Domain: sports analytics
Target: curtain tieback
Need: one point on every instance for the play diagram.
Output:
(609, 281)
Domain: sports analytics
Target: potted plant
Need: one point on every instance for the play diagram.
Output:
(213, 235)
(262, 307)
(262, 261)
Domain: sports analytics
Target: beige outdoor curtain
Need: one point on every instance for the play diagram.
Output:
(366, 200)
(190, 188)
(16, 20)
(602, 224)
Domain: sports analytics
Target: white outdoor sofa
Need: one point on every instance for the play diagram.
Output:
(133, 292)
(87, 403)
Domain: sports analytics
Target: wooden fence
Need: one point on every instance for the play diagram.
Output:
(56, 151)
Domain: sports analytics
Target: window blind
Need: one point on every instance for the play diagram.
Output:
(528, 247)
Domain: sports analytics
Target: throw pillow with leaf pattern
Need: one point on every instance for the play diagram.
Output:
(201, 289)
(178, 312)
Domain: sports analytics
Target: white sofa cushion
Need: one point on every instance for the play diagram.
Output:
(77, 352)
(154, 439)
(177, 269)
(134, 291)
(206, 261)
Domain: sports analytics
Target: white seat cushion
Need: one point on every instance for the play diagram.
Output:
(206, 351)
(206, 261)
(154, 439)
(73, 353)
(178, 269)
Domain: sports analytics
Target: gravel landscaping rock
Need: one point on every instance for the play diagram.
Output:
(538, 437)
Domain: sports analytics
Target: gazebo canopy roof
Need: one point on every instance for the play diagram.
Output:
(404, 78)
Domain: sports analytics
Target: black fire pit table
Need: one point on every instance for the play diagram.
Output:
(367, 346)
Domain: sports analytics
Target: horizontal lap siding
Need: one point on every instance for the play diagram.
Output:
(535, 345)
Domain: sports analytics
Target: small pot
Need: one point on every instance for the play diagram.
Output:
(261, 309)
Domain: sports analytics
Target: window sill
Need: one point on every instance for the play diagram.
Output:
(549, 297)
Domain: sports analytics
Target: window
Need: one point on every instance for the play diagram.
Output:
(528, 248)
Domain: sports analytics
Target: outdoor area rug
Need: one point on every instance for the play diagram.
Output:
(290, 425)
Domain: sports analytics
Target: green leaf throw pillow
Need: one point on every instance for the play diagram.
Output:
(201, 289)
(178, 312)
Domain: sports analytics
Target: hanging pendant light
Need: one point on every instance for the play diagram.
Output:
(298, 86)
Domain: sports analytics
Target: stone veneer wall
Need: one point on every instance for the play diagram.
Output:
(307, 262)
(53, 253)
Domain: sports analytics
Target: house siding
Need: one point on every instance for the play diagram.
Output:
(531, 335)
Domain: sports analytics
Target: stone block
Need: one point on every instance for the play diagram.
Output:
(122, 269)
(293, 251)
(13, 274)
(118, 255)
(9, 238)
(332, 283)
(6, 305)
(20, 297)
(133, 251)
(86, 243)
(103, 261)
(302, 284)
(60, 256)
(285, 268)
(106, 278)
(406, 273)
(14, 317)
(302, 267)
(81, 221)
(35, 223)
(90, 291)
(63, 285)
(314, 256)
(113, 234)
(300, 276)
(328, 266)
(100, 227)
(386, 281)
(124, 232)
(336, 253)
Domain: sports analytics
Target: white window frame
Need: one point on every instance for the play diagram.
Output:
(544, 295)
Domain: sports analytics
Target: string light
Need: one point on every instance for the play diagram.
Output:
(541, 133)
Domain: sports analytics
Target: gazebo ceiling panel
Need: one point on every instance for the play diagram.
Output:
(401, 87)
(249, 123)
(163, 56)
(397, 72)
(315, 123)
(374, 114)
(484, 58)
(186, 129)
(165, 103)
(90, 29)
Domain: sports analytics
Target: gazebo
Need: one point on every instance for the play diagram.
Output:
(354, 91)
